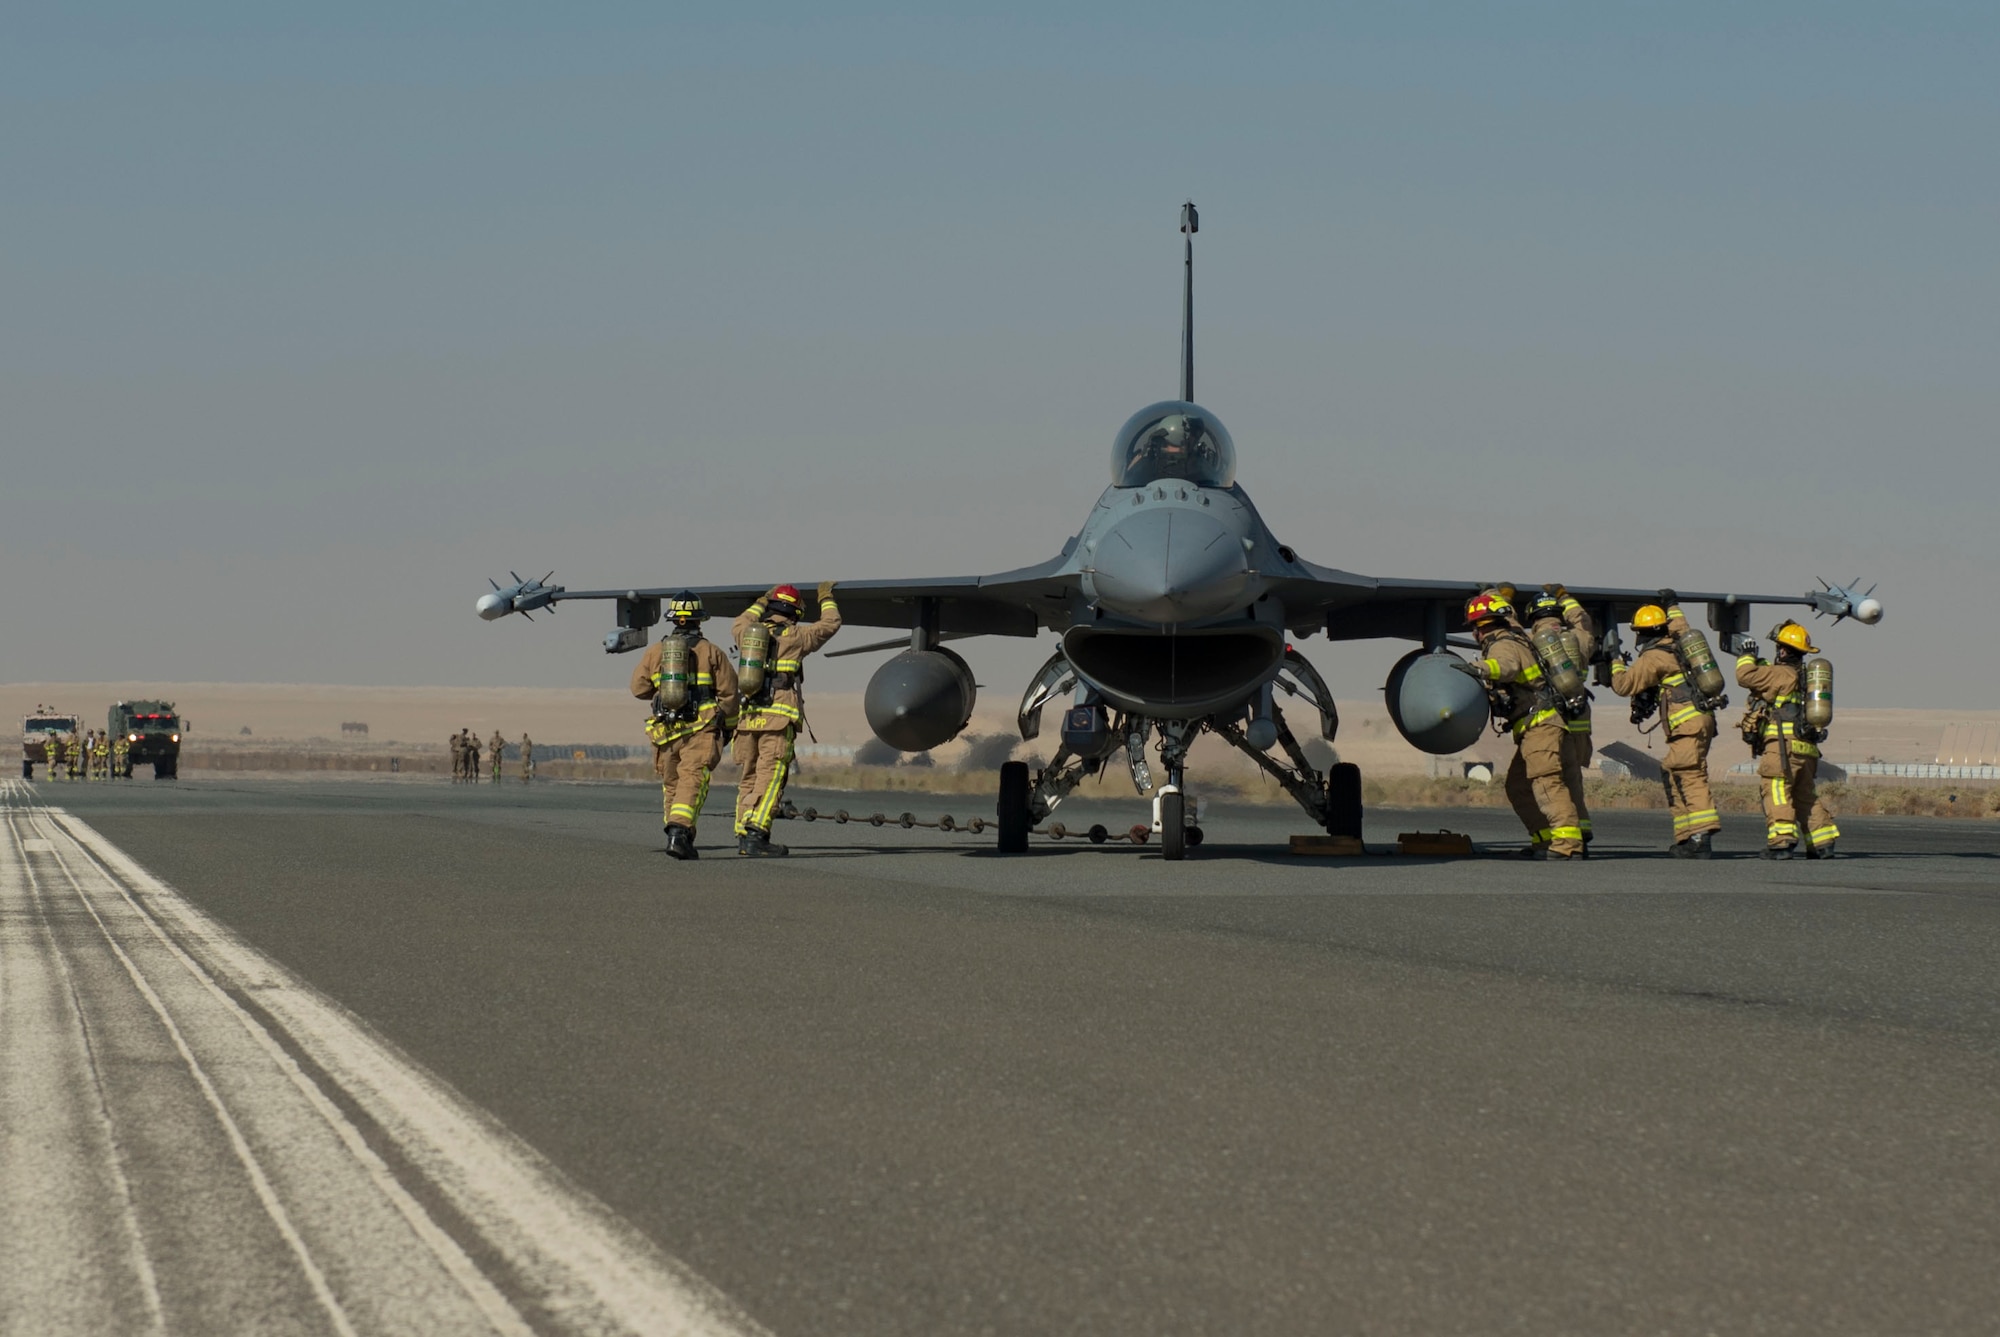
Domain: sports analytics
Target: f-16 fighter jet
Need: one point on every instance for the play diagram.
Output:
(1179, 612)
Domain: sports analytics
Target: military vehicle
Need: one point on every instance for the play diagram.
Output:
(1179, 613)
(36, 730)
(152, 733)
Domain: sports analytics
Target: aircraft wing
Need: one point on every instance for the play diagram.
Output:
(1357, 607)
(1011, 603)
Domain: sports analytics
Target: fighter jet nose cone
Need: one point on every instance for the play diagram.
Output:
(1170, 565)
(493, 606)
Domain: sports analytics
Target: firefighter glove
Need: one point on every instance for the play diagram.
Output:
(1554, 589)
(825, 588)
(1746, 645)
(1667, 598)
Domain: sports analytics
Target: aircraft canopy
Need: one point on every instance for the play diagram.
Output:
(1173, 440)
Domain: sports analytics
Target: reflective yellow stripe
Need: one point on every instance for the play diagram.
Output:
(787, 666)
(1824, 835)
(1683, 715)
(1566, 832)
(1531, 673)
(1492, 668)
(1528, 722)
(704, 679)
(1741, 660)
(780, 710)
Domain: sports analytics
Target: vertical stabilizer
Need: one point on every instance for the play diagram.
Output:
(1190, 224)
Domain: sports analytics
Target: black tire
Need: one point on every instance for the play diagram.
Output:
(27, 770)
(1013, 808)
(1194, 837)
(1343, 800)
(1173, 826)
(164, 770)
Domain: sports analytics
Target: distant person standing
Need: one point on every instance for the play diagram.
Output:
(89, 750)
(472, 756)
(498, 745)
(457, 746)
(100, 757)
(527, 759)
(74, 752)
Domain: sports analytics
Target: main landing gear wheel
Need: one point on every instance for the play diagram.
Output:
(1343, 800)
(1013, 810)
(1173, 826)
(164, 770)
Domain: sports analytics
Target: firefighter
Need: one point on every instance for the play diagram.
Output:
(687, 739)
(499, 746)
(100, 759)
(1657, 678)
(1787, 747)
(120, 751)
(771, 717)
(1557, 606)
(1524, 705)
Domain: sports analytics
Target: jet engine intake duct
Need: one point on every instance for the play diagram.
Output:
(1175, 675)
(920, 699)
(1436, 706)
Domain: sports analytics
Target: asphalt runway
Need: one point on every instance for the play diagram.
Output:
(900, 1084)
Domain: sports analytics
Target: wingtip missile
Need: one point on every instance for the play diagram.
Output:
(1841, 602)
(523, 596)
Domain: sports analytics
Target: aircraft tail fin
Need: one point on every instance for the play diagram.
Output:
(1190, 224)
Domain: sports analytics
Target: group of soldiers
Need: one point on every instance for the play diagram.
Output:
(702, 704)
(94, 756)
(465, 753)
(1552, 733)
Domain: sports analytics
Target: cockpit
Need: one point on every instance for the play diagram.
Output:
(1173, 439)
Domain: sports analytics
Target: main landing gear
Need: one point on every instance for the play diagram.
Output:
(1090, 736)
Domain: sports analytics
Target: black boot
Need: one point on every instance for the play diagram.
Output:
(676, 835)
(1779, 852)
(743, 842)
(688, 851)
(1821, 851)
(1683, 849)
(1699, 846)
(758, 844)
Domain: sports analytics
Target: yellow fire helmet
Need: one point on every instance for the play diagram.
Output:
(1649, 618)
(1794, 635)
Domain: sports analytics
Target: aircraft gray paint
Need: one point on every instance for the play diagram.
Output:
(1177, 608)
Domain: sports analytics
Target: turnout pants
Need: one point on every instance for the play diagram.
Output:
(1786, 796)
(1576, 759)
(766, 758)
(1535, 787)
(684, 765)
(1685, 776)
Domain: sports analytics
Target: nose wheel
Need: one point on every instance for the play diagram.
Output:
(1173, 826)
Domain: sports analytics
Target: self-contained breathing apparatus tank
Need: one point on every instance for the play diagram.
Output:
(671, 695)
(753, 658)
(1574, 646)
(1560, 664)
(1703, 673)
(1818, 692)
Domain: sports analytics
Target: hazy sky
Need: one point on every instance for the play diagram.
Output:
(313, 317)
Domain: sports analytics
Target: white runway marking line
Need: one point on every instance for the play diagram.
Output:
(259, 1180)
(587, 1266)
(491, 1304)
(141, 1262)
